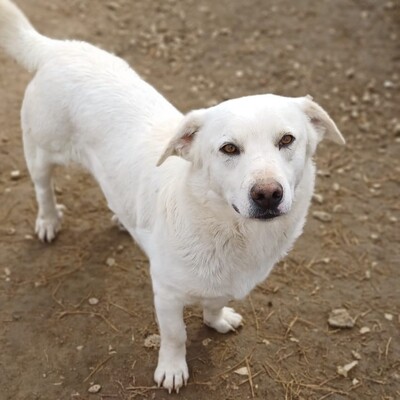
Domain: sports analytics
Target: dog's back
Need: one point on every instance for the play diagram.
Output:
(87, 106)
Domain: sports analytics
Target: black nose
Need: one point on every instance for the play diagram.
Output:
(267, 195)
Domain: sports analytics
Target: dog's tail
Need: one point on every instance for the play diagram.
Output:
(20, 39)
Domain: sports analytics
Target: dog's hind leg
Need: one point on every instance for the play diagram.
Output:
(222, 319)
(40, 166)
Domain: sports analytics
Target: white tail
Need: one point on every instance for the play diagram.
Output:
(20, 39)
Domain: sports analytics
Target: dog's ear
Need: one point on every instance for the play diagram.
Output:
(321, 121)
(181, 143)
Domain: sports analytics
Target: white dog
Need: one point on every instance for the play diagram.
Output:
(214, 218)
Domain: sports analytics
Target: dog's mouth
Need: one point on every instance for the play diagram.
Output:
(261, 215)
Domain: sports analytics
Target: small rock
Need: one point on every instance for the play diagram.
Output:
(389, 317)
(79, 348)
(346, 368)
(7, 271)
(266, 342)
(112, 5)
(15, 175)
(322, 216)
(337, 208)
(28, 237)
(206, 342)
(94, 389)
(318, 198)
(374, 236)
(152, 341)
(355, 382)
(111, 349)
(325, 174)
(16, 316)
(93, 301)
(110, 261)
(388, 84)
(350, 73)
(340, 318)
(356, 355)
(242, 371)
(336, 187)
(365, 330)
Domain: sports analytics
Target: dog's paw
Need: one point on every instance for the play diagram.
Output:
(227, 320)
(47, 227)
(117, 223)
(171, 374)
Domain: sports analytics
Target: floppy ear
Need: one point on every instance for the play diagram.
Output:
(181, 143)
(321, 121)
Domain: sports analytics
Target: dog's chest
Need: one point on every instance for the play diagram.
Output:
(229, 263)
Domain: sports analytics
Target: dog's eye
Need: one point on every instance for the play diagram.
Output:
(230, 149)
(286, 140)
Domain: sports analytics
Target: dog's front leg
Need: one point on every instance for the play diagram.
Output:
(172, 371)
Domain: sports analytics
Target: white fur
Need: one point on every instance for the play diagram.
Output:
(87, 106)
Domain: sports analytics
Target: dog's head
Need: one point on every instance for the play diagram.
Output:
(252, 151)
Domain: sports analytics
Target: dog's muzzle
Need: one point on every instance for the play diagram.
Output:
(266, 198)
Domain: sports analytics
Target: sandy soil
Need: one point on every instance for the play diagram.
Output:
(56, 345)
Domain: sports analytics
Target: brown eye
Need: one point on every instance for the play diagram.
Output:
(230, 149)
(286, 141)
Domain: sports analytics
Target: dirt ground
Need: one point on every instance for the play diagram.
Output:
(55, 344)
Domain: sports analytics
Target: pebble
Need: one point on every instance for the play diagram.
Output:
(15, 175)
(350, 73)
(355, 382)
(336, 187)
(93, 301)
(374, 236)
(389, 317)
(356, 355)
(79, 348)
(388, 84)
(112, 5)
(325, 174)
(110, 261)
(7, 271)
(318, 198)
(152, 341)
(242, 371)
(206, 342)
(346, 368)
(94, 389)
(340, 318)
(322, 216)
(365, 330)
